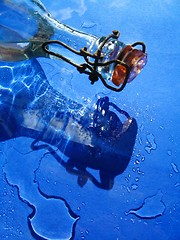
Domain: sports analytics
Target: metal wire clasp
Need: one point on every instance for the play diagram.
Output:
(90, 67)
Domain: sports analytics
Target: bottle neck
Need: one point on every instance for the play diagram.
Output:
(73, 38)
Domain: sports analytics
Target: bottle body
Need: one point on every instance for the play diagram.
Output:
(32, 26)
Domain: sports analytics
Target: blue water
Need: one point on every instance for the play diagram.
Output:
(39, 197)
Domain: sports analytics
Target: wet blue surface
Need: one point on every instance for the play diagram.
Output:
(39, 198)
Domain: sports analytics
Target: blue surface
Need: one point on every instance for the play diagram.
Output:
(144, 201)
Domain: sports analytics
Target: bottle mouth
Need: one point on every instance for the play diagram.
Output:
(132, 62)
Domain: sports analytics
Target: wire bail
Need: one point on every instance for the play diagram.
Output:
(91, 67)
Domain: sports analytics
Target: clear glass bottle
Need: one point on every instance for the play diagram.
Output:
(26, 25)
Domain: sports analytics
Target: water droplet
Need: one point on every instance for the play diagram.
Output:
(11, 210)
(152, 207)
(169, 152)
(143, 158)
(133, 169)
(127, 180)
(174, 167)
(151, 144)
(139, 171)
(137, 161)
(128, 189)
(140, 141)
(134, 186)
(87, 232)
(141, 128)
(177, 184)
(136, 179)
(117, 228)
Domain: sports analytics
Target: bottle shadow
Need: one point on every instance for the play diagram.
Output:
(112, 141)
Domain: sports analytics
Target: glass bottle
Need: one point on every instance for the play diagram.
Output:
(26, 25)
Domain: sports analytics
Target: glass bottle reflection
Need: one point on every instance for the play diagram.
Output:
(93, 137)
